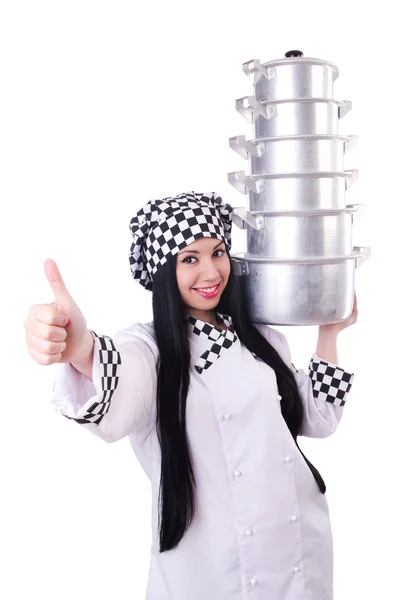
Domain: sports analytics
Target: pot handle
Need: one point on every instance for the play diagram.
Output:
(242, 183)
(240, 267)
(352, 177)
(237, 180)
(254, 71)
(335, 74)
(359, 212)
(344, 109)
(351, 142)
(249, 105)
(366, 253)
(244, 110)
(241, 217)
(236, 218)
(243, 147)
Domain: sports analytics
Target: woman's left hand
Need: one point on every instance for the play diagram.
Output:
(335, 328)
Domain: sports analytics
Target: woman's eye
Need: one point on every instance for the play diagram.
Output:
(190, 257)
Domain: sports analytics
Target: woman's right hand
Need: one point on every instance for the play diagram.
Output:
(48, 336)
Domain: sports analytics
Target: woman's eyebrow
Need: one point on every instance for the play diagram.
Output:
(197, 251)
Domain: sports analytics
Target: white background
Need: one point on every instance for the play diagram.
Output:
(105, 105)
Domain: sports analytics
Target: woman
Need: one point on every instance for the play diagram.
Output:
(212, 406)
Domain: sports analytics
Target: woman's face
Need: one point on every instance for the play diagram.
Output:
(202, 264)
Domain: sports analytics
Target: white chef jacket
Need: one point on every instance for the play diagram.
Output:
(261, 529)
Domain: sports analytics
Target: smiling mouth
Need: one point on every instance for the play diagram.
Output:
(208, 290)
(208, 294)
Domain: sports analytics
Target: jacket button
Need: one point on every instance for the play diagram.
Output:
(237, 473)
(226, 416)
(287, 459)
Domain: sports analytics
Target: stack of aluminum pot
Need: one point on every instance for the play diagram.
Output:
(299, 265)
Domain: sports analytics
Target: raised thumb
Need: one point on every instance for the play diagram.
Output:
(58, 286)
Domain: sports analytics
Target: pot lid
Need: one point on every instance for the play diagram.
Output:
(292, 57)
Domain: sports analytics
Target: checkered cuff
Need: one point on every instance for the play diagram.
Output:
(109, 361)
(330, 382)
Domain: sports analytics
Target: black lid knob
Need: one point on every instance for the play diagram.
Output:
(293, 53)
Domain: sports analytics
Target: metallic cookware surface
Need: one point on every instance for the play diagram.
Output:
(293, 117)
(299, 265)
(298, 234)
(305, 292)
(294, 154)
(294, 191)
(299, 77)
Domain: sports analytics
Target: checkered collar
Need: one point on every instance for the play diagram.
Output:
(220, 340)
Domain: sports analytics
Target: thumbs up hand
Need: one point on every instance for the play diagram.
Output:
(57, 332)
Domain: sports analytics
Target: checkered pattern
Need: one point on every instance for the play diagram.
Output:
(109, 359)
(330, 383)
(163, 227)
(222, 340)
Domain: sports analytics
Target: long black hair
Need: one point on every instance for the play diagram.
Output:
(177, 482)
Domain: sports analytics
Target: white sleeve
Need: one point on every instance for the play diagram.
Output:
(121, 398)
(323, 390)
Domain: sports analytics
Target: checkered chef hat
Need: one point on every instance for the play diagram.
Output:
(163, 227)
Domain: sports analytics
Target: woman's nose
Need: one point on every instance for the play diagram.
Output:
(209, 269)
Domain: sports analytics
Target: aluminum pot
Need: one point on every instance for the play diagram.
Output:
(294, 116)
(294, 154)
(294, 192)
(292, 77)
(298, 234)
(306, 292)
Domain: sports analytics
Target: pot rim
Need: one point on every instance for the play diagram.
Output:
(308, 175)
(246, 257)
(315, 212)
(302, 137)
(310, 100)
